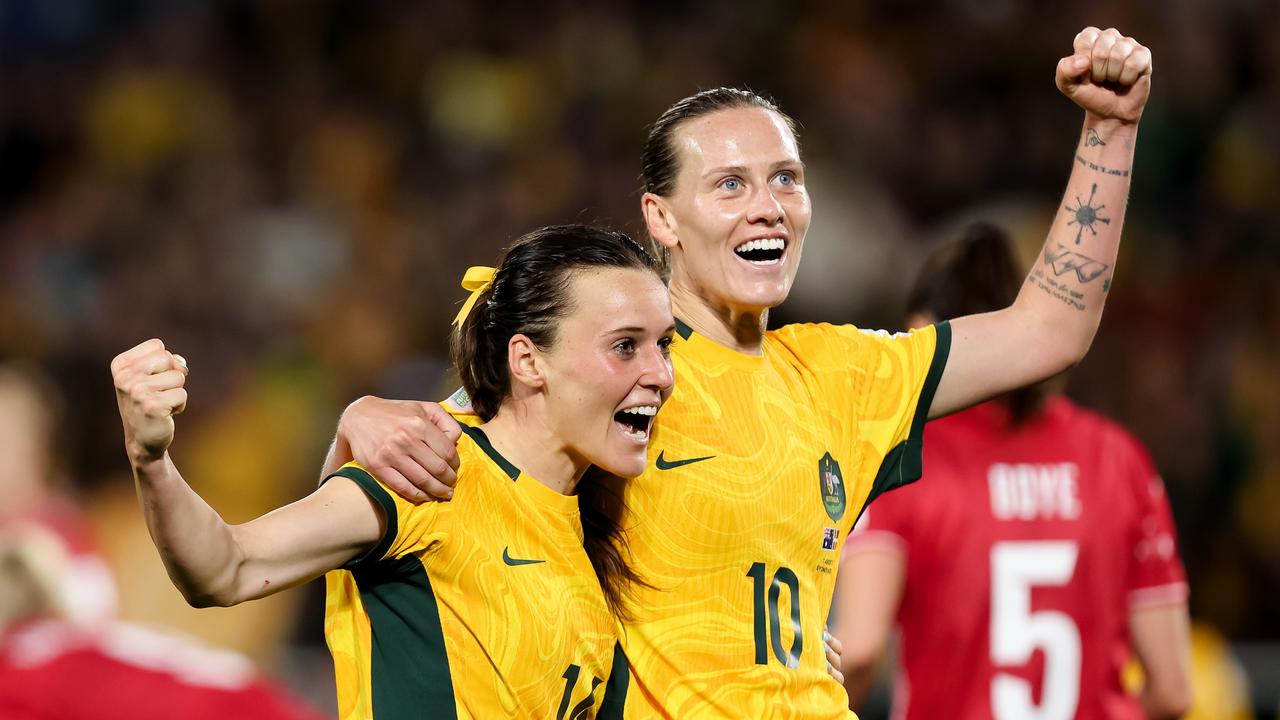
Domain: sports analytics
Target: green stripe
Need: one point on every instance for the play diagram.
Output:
(683, 330)
(409, 663)
(615, 691)
(904, 464)
(482, 440)
(380, 496)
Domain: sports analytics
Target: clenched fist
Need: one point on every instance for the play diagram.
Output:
(149, 389)
(1109, 75)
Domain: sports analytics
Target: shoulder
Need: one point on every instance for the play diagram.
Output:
(816, 341)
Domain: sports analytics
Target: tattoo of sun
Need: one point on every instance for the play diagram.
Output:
(1086, 215)
(1092, 139)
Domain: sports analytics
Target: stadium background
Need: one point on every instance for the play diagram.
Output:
(287, 193)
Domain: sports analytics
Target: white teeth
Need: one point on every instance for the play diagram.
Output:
(762, 244)
(646, 410)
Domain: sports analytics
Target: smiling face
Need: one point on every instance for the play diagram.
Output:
(609, 370)
(736, 219)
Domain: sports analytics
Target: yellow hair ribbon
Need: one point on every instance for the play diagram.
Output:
(478, 279)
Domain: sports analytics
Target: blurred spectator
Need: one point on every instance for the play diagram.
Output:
(289, 190)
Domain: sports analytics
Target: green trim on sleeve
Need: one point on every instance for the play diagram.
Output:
(409, 661)
(683, 329)
(383, 498)
(904, 464)
(615, 690)
(482, 440)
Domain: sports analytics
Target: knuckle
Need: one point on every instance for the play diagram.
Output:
(436, 467)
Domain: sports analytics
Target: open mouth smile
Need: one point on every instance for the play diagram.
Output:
(635, 422)
(762, 252)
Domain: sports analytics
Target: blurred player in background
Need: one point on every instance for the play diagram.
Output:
(1035, 557)
(774, 441)
(63, 656)
(32, 495)
(489, 606)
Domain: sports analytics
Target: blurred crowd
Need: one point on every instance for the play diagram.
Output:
(288, 191)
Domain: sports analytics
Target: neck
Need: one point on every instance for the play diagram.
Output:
(523, 437)
(735, 328)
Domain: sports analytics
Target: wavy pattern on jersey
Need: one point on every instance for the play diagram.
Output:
(725, 540)
(516, 635)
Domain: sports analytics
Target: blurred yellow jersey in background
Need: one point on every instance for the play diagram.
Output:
(483, 607)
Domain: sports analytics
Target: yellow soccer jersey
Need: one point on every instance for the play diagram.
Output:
(759, 467)
(483, 607)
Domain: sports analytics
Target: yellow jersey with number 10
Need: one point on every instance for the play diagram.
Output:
(758, 468)
(483, 607)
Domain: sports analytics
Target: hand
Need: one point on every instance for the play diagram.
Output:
(408, 445)
(1109, 75)
(149, 384)
(834, 649)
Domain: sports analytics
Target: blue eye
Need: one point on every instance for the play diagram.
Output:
(730, 184)
(787, 178)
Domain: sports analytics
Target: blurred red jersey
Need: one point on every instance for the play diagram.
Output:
(1025, 550)
(53, 670)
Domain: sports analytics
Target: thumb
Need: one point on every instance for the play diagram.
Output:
(1071, 70)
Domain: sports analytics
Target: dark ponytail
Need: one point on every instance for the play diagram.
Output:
(529, 295)
(977, 273)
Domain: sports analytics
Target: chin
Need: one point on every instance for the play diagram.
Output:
(627, 464)
(763, 296)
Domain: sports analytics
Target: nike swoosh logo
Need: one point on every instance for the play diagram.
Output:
(506, 558)
(665, 464)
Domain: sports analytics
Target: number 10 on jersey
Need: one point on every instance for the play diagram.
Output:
(770, 633)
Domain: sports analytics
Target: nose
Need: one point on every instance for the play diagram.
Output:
(657, 374)
(764, 207)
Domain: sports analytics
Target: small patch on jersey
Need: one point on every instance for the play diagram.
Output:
(829, 536)
(460, 400)
(831, 485)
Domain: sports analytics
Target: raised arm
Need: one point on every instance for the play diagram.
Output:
(1052, 323)
(211, 562)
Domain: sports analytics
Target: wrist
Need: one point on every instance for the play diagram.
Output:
(1110, 128)
(143, 458)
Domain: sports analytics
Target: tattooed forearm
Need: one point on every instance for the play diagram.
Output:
(1101, 168)
(1055, 288)
(1087, 215)
(1092, 139)
(1063, 260)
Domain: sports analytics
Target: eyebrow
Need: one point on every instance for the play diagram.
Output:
(635, 329)
(741, 170)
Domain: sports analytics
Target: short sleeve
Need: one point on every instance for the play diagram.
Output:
(409, 527)
(877, 387)
(1156, 574)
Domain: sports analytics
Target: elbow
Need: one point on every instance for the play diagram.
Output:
(208, 597)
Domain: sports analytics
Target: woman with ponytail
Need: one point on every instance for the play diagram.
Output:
(500, 603)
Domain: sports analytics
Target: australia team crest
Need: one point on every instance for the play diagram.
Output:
(831, 484)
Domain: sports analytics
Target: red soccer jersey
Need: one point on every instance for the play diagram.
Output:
(1025, 552)
(52, 670)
